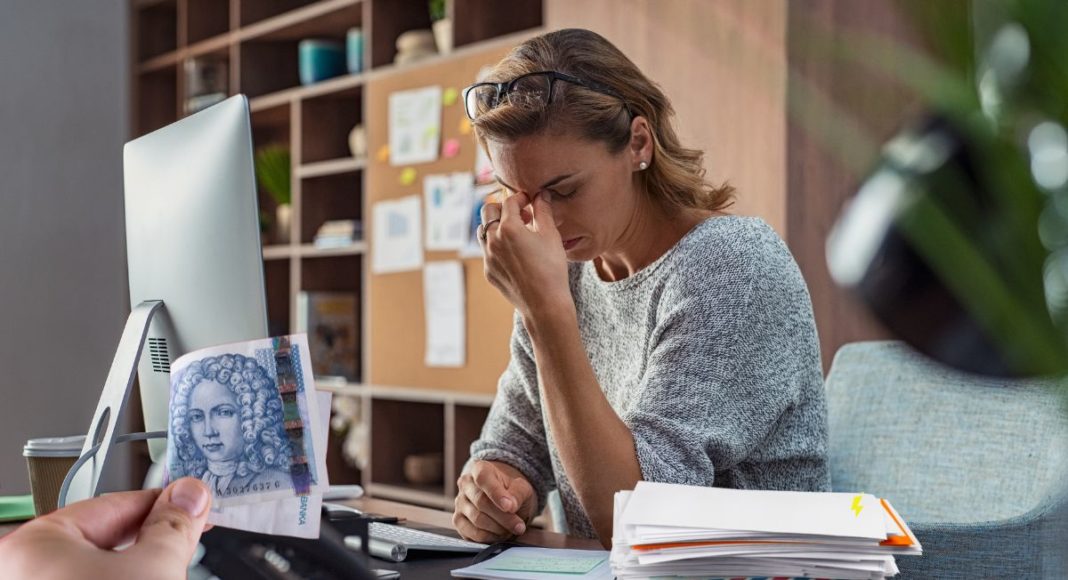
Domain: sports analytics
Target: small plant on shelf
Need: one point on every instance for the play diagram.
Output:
(273, 166)
(442, 26)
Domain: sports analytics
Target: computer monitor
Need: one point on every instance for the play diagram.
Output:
(193, 243)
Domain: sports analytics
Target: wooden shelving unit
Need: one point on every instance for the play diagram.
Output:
(257, 40)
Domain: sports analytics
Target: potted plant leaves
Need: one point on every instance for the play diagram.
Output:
(273, 175)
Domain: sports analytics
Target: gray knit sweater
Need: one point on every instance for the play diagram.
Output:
(709, 355)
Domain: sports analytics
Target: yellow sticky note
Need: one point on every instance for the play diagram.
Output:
(383, 154)
(465, 126)
(407, 176)
(448, 98)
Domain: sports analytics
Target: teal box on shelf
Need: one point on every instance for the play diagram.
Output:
(354, 49)
(320, 60)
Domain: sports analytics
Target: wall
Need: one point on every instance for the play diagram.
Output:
(722, 64)
(63, 120)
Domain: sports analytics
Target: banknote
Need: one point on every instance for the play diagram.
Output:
(291, 516)
(244, 419)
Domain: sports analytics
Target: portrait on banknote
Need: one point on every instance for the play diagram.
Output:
(240, 418)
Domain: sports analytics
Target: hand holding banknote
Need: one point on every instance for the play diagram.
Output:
(78, 541)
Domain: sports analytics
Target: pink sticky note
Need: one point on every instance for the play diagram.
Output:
(451, 148)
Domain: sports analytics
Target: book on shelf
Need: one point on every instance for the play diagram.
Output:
(331, 320)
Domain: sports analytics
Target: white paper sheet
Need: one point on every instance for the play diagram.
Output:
(479, 196)
(397, 236)
(448, 210)
(783, 512)
(414, 126)
(443, 297)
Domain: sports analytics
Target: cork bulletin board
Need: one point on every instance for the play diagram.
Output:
(397, 325)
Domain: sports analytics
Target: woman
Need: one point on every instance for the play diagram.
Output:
(656, 338)
(228, 428)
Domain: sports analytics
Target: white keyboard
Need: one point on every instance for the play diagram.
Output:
(392, 543)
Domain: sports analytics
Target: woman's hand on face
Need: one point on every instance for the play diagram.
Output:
(494, 502)
(78, 541)
(524, 255)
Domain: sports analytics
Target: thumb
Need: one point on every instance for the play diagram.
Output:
(173, 527)
(543, 214)
(522, 491)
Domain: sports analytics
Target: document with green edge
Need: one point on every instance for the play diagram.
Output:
(16, 508)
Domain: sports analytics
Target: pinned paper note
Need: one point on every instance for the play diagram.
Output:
(408, 175)
(448, 98)
(414, 125)
(448, 210)
(451, 148)
(398, 244)
(465, 126)
(383, 154)
(479, 197)
(443, 295)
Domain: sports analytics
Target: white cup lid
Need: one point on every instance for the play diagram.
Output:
(70, 446)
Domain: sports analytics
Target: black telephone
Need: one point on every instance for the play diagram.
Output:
(237, 555)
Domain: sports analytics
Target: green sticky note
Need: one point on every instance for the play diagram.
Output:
(516, 562)
(16, 508)
(448, 98)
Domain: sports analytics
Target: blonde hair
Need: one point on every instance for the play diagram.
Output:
(675, 176)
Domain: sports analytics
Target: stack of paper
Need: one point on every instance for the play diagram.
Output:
(684, 531)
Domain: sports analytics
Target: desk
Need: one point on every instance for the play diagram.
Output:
(435, 521)
(441, 522)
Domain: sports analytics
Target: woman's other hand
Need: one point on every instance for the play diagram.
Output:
(494, 502)
(78, 541)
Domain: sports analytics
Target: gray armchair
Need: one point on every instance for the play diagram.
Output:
(975, 465)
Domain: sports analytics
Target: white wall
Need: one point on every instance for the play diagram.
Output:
(63, 120)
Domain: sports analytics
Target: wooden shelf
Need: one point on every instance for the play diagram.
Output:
(160, 62)
(259, 41)
(335, 167)
(416, 394)
(217, 45)
(430, 496)
(314, 20)
(311, 251)
(278, 252)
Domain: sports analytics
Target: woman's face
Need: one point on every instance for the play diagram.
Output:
(594, 196)
(214, 420)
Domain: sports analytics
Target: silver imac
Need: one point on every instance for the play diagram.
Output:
(194, 263)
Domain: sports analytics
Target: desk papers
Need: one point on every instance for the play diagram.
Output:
(678, 531)
(541, 564)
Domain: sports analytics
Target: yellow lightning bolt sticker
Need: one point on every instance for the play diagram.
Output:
(856, 506)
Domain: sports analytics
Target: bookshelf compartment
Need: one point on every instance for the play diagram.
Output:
(157, 29)
(276, 286)
(206, 19)
(494, 19)
(253, 11)
(390, 18)
(157, 104)
(271, 128)
(267, 67)
(402, 429)
(327, 122)
(332, 197)
(468, 426)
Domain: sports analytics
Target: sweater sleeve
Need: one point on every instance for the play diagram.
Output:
(723, 369)
(514, 432)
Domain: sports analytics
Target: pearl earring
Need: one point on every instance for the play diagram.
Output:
(642, 166)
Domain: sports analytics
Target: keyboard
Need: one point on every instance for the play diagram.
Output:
(393, 543)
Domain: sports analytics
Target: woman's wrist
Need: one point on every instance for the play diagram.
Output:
(551, 318)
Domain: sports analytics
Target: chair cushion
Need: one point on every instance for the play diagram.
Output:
(941, 445)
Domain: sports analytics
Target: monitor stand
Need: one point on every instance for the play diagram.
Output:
(81, 483)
